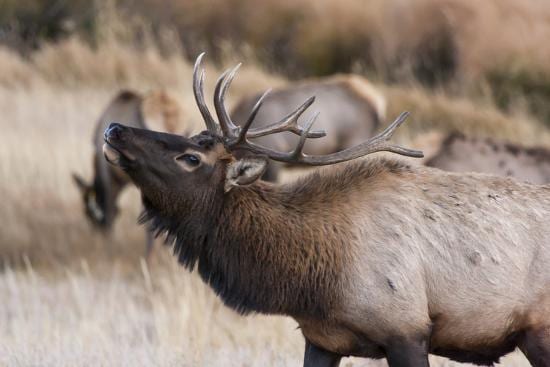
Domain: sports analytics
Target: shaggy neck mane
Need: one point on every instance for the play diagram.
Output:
(278, 249)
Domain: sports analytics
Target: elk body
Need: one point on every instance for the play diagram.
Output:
(350, 111)
(493, 157)
(100, 196)
(372, 258)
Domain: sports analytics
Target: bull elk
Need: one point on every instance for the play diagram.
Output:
(493, 157)
(373, 258)
(350, 111)
(100, 196)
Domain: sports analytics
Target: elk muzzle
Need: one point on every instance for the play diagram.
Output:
(116, 136)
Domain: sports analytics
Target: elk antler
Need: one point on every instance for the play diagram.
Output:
(237, 137)
(376, 144)
(230, 130)
(288, 123)
(198, 91)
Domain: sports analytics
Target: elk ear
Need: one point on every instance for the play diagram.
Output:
(80, 183)
(244, 172)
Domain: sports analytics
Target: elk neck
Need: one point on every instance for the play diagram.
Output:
(277, 249)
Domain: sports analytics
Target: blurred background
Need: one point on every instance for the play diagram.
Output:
(71, 295)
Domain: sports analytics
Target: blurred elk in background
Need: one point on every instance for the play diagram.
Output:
(459, 153)
(350, 110)
(155, 110)
(374, 258)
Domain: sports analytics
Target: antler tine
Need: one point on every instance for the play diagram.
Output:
(288, 123)
(229, 129)
(251, 117)
(198, 91)
(388, 132)
(303, 137)
(375, 144)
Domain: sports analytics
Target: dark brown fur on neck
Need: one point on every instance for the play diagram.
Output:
(267, 248)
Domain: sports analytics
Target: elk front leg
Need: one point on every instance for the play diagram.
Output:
(407, 353)
(318, 357)
(536, 346)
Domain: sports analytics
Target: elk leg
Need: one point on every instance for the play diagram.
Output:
(319, 357)
(406, 353)
(535, 345)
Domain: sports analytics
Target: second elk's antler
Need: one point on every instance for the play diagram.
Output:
(236, 138)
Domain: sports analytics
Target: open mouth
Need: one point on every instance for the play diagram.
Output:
(116, 156)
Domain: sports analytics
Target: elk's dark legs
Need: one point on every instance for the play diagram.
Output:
(318, 357)
(536, 346)
(403, 353)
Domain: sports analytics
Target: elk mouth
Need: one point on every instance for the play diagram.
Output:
(115, 155)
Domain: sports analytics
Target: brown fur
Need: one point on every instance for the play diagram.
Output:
(307, 261)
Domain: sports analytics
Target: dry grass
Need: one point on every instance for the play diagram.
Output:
(69, 296)
(444, 113)
(73, 63)
(388, 33)
(132, 315)
(120, 315)
(318, 36)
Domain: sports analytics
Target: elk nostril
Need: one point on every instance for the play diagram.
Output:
(114, 131)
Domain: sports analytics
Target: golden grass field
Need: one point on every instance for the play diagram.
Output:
(69, 296)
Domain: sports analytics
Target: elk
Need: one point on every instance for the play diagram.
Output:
(373, 258)
(350, 110)
(493, 157)
(129, 107)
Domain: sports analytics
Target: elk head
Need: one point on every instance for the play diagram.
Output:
(172, 170)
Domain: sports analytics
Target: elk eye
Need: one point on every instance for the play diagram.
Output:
(190, 159)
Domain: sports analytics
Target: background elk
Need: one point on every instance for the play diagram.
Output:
(350, 111)
(373, 258)
(100, 196)
(493, 157)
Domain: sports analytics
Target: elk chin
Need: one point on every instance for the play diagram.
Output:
(115, 156)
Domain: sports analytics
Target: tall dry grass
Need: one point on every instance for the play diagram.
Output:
(397, 39)
(334, 34)
(443, 112)
(118, 315)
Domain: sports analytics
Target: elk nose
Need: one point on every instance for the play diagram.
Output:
(114, 131)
